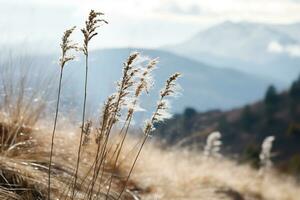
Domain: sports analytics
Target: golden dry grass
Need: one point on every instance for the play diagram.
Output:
(165, 174)
(184, 174)
(24, 168)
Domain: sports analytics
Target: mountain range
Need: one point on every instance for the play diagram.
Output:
(266, 50)
(204, 87)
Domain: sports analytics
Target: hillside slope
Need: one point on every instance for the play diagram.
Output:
(160, 173)
(244, 129)
(182, 174)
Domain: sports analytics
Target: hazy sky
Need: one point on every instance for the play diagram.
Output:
(139, 23)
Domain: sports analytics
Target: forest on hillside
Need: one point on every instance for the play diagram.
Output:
(244, 129)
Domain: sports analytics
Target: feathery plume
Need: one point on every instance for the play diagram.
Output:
(94, 21)
(66, 46)
(213, 144)
(125, 85)
(86, 132)
(144, 84)
(265, 154)
(161, 113)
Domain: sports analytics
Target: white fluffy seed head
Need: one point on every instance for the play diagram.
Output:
(213, 145)
(163, 106)
(265, 155)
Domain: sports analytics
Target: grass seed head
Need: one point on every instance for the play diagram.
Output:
(266, 155)
(89, 31)
(213, 144)
(162, 109)
(66, 46)
(86, 132)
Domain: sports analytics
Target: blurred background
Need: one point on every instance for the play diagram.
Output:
(239, 59)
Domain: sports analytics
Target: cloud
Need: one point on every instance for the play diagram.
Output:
(285, 11)
(275, 47)
(175, 8)
(133, 22)
(268, 11)
(293, 50)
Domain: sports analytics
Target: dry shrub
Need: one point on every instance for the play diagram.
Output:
(22, 102)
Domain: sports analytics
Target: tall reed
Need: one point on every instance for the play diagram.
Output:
(89, 31)
(66, 46)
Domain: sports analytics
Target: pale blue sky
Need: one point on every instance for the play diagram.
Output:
(140, 23)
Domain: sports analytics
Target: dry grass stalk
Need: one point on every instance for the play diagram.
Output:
(89, 32)
(66, 46)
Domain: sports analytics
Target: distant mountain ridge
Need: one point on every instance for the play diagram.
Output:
(204, 87)
(293, 30)
(248, 47)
